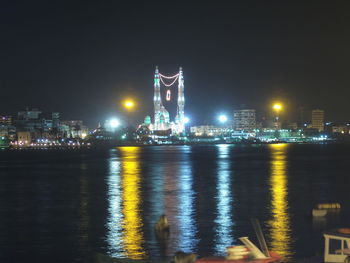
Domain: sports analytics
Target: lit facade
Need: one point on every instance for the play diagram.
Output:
(244, 120)
(209, 130)
(317, 119)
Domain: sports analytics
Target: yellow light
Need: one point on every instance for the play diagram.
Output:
(280, 225)
(133, 237)
(129, 104)
(277, 107)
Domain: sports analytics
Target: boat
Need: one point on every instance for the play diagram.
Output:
(247, 253)
(254, 255)
(323, 209)
(337, 245)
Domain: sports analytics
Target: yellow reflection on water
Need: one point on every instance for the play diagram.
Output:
(132, 223)
(280, 226)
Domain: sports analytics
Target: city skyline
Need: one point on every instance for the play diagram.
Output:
(82, 59)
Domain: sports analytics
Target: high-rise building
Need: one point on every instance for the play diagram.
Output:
(55, 119)
(317, 119)
(29, 114)
(244, 120)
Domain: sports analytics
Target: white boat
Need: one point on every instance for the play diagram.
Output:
(319, 212)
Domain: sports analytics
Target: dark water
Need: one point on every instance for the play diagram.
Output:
(62, 206)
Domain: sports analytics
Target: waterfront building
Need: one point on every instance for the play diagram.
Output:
(209, 130)
(244, 120)
(24, 137)
(342, 129)
(317, 119)
(73, 129)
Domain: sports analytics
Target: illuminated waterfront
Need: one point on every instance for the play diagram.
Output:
(108, 201)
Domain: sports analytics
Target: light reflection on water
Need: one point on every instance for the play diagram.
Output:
(187, 240)
(171, 191)
(223, 221)
(125, 223)
(280, 226)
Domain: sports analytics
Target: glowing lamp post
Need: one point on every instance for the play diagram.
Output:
(114, 123)
(129, 104)
(222, 118)
(277, 107)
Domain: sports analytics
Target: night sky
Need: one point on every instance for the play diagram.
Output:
(81, 58)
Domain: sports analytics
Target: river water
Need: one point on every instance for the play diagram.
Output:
(65, 205)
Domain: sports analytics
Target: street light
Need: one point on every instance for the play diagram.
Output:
(222, 118)
(114, 123)
(277, 107)
(129, 104)
(186, 120)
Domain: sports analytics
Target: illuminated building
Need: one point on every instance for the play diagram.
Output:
(244, 120)
(5, 120)
(209, 130)
(162, 119)
(317, 119)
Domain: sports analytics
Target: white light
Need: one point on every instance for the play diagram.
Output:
(223, 118)
(114, 123)
(186, 120)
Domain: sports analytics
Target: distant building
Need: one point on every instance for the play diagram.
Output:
(73, 129)
(244, 120)
(55, 119)
(209, 130)
(317, 120)
(24, 137)
(343, 129)
(29, 114)
(6, 120)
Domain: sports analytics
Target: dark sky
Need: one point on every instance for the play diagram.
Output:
(81, 58)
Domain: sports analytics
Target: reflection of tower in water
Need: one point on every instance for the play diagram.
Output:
(280, 227)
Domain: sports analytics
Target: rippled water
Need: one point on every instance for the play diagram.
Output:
(63, 206)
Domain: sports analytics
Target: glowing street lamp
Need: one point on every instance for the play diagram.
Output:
(129, 104)
(114, 123)
(186, 120)
(277, 107)
(222, 118)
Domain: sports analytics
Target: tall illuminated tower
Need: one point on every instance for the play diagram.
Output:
(181, 103)
(157, 100)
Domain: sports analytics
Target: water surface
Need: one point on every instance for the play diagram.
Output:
(63, 206)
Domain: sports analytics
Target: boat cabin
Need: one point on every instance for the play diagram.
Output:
(337, 245)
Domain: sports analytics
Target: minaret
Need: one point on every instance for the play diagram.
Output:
(181, 103)
(157, 100)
